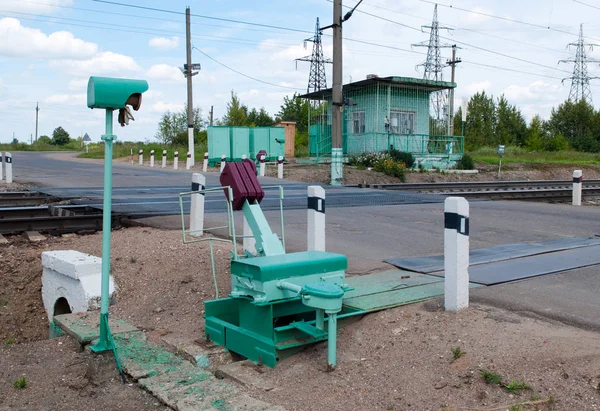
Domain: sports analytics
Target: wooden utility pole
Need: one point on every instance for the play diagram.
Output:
(452, 63)
(188, 74)
(337, 175)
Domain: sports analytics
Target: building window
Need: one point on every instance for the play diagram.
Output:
(358, 122)
(402, 122)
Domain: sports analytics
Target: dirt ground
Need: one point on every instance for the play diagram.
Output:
(398, 359)
(510, 172)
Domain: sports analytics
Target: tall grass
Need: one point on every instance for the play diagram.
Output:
(520, 155)
(41, 146)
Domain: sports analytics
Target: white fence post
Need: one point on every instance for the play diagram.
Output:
(280, 167)
(315, 226)
(188, 161)
(1, 171)
(164, 159)
(9, 170)
(244, 156)
(248, 242)
(577, 187)
(151, 158)
(456, 253)
(141, 157)
(205, 164)
(197, 205)
(262, 166)
(223, 161)
(176, 160)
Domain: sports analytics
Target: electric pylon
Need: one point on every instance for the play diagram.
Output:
(433, 68)
(316, 79)
(580, 80)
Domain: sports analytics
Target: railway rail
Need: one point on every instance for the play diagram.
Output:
(549, 190)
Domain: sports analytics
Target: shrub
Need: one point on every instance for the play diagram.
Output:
(465, 163)
(391, 168)
(368, 159)
(402, 157)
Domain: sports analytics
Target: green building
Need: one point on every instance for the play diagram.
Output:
(387, 112)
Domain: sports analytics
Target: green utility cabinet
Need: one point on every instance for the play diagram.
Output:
(219, 143)
(240, 143)
(237, 141)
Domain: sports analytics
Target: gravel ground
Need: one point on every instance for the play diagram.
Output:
(397, 359)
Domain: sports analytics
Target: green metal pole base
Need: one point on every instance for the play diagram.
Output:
(337, 167)
(104, 341)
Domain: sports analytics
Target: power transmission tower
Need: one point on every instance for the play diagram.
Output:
(317, 79)
(433, 67)
(580, 81)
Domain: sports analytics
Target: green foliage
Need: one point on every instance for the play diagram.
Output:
(236, 113)
(367, 159)
(515, 387)
(481, 121)
(44, 140)
(457, 353)
(578, 123)
(465, 163)
(513, 154)
(9, 341)
(489, 377)
(20, 382)
(259, 118)
(402, 157)
(295, 109)
(173, 129)
(60, 137)
(391, 168)
(124, 148)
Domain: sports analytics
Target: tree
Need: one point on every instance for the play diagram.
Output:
(60, 137)
(481, 121)
(259, 118)
(294, 109)
(578, 123)
(536, 134)
(236, 113)
(44, 140)
(511, 127)
(173, 129)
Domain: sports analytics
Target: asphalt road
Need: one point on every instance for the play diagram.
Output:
(374, 228)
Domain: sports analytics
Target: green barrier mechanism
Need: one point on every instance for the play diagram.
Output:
(111, 94)
(279, 301)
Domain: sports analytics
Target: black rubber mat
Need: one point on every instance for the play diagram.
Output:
(520, 268)
(503, 252)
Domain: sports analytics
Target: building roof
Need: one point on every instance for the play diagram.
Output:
(403, 82)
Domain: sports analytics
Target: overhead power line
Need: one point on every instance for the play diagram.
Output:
(245, 75)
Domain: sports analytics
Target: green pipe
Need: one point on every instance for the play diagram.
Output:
(332, 340)
(104, 343)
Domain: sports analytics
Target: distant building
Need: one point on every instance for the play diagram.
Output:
(387, 112)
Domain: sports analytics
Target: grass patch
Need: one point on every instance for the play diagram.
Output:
(515, 387)
(488, 155)
(457, 353)
(124, 148)
(9, 341)
(490, 378)
(20, 383)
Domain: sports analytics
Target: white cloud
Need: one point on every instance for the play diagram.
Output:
(20, 41)
(106, 62)
(37, 7)
(78, 84)
(165, 74)
(536, 91)
(67, 99)
(163, 43)
(477, 87)
(161, 107)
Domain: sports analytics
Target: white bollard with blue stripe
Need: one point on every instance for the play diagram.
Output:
(315, 225)
(456, 254)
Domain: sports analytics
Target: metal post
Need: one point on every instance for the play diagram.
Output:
(332, 340)
(104, 342)
(190, 103)
(211, 115)
(37, 110)
(337, 171)
(452, 63)
(499, 166)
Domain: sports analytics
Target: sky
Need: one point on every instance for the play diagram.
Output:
(49, 49)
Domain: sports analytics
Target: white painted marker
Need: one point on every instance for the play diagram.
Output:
(9, 167)
(1, 171)
(456, 254)
(188, 161)
(141, 157)
(205, 164)
(152, 158)
(164, 159)
(280, 167)
(262, 166)
(223, 162)
(577, 187)
(197, 205)
(315, 226)
(176, 160)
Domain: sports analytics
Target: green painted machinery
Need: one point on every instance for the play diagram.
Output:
(280, 302)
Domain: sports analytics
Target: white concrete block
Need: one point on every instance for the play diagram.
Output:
(456, 254)
(205, 163)
(141, 157)
(74, 276)
(188, 161)
(176, 160)
(262, 166)
(223, 162)
(280, 167)
(197, 205)
(8, 167)
(164, 159)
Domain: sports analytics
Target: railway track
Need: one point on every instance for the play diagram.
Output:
(24, 198)
(549, 190)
